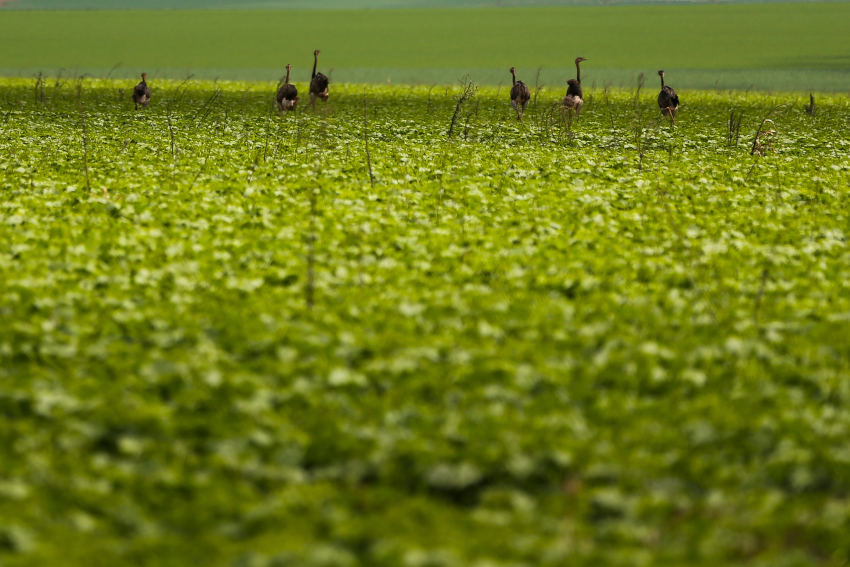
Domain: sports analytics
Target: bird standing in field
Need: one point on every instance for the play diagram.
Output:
(575, 97)
(668, 100)
(520, 95)
(287, 94)
(810, 108)
(318, 83)
(142, 93)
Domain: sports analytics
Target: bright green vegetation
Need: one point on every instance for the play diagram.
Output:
(785, 47)
(616, 343)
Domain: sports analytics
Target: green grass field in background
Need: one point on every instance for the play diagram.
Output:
(794, 46)
(316, 4)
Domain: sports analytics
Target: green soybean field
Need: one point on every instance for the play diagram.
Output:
(406, 329)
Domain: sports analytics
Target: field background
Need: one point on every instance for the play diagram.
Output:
(776, 46)
(325, 4)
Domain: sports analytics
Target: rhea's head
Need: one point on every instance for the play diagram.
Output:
(580, 59)
(289, 67)
(316, 53)
(513, 70)
(660, 73)
(144, 76)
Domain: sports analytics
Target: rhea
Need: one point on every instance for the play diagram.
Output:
(575, 97)
(318, 83)
(668, 100)
(142, 93)
(520, 95)
(287, 94)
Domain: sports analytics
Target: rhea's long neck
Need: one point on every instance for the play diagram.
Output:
(578, 72)
(513, 76)
(315, 62)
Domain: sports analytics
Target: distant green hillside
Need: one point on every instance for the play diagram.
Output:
(315, 4)
(789, 46)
